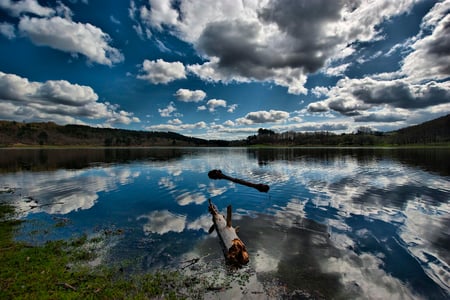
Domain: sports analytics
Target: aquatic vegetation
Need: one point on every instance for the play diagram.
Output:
(61, 270)
(57, 270)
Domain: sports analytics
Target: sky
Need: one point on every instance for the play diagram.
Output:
(222, 69)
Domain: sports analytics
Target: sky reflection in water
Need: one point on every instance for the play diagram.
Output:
(336, 223)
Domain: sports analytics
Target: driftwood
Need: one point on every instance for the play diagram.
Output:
(217, 174)
(233, 248)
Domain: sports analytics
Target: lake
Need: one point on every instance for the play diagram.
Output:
(336, 223)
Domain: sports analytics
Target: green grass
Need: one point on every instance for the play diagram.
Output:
(59, 270)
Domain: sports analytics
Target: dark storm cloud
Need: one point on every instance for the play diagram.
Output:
(353, 97)
(438, 47)
(304, 22)
(305, 44)
(345, 108)
(234, 42)
(401, 94)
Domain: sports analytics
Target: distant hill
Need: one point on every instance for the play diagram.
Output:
(33, 134)
(13, 133)
(434, 131)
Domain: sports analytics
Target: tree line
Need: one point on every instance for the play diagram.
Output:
(23, 134)
(432, 132)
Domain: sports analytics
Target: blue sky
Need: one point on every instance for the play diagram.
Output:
(221, 69)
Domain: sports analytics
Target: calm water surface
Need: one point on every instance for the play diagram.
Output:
(336, 223)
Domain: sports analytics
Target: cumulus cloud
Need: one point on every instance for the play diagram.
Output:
(351, 97)
(201, 223)
(81, 188)
(190, 198)
(232, 108)
(17, 8)
(175, 121)
(159, 71)
(186, 95)
(16, 88)
(55, 100)
(167, 112)
(263, 116)
(213, 104)
(161, 12)
(279, 41)
(178, 127)
(319, 91)
(430, 59)
(162, 222)
(73, 37)
(419, 85)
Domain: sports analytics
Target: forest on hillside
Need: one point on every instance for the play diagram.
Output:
(34, 134)
(434, 132)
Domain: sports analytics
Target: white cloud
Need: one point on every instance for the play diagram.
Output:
(296, 119)
(263, 116)
(229, 123)
(204, 222)
(7, 30)
(366, 271)
(213, 104)
(73, 37)
(413, 94)
(186, 95)
(276, 41)
(319, 91)
(352, 96)
(429, 59)
(190, 198)
(81, 188)
(167, 112)
(232, 108)
(215, 191)
(159, 71)
(17, 8)
(162, 222)
(161, 12)
(178, 127)
(336, 71)
(175, 121)
(55, 100)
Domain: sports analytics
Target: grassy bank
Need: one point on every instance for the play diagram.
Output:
(60, 270)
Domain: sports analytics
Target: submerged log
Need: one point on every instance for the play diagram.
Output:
(217, 174)
(233, 248)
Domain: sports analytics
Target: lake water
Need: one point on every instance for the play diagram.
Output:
(336, 223)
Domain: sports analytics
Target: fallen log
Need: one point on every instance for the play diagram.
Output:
(217, 174)
(233, 248)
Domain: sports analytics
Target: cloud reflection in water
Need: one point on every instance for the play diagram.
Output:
(345, 225)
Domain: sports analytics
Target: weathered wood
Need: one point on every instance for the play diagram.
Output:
(229, 216)
(233, 248)
(217, 174)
